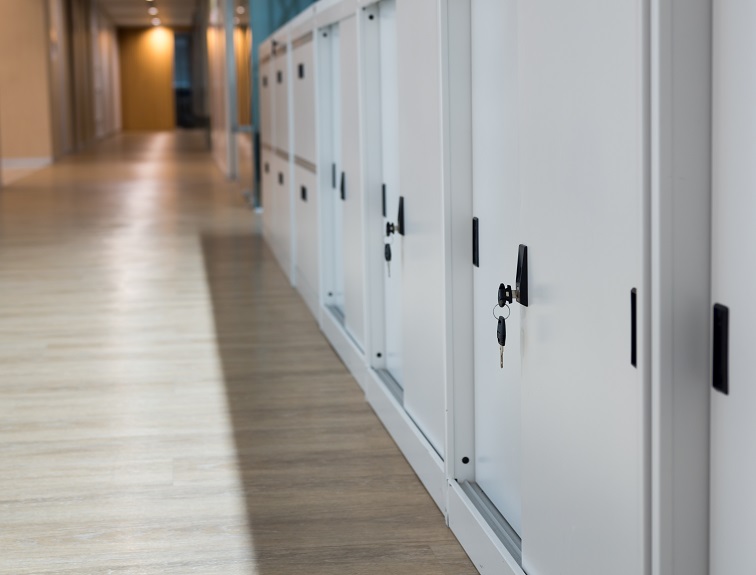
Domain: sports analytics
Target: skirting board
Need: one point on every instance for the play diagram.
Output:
(411, 442)
(345, 347)
(481, 544)
(282, 259)
(309, 295)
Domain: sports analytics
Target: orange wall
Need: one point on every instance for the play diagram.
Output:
(147, 97)
(25, 112)
(242, 48)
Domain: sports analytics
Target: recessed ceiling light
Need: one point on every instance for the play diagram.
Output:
(153, 11)
(240, 10)
(156, 21)
(237, 20)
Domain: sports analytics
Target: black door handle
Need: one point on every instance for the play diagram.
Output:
(521, 279)
(400, 217)
(634, 327)
(720, 343)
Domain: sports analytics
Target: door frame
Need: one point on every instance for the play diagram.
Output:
(678, 172)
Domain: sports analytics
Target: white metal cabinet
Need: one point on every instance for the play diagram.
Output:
(306, 194)
(581, 109)
(733, 423)
(303, 79)
(351, 182)
(496, 205)
(421, 180)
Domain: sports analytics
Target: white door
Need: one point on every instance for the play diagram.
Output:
(350, 182)
(581, 141)
(330, 167)
(733, 423)
(496, 205)
(418, 36)
(391, 190)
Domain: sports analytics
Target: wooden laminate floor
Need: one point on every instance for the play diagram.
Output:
(167, 404)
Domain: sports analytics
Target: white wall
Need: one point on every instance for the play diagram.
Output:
(221, 85)
(105, 75)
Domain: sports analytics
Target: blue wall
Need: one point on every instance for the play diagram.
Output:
(267, 16)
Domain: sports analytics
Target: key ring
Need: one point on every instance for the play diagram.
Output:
(496, 317)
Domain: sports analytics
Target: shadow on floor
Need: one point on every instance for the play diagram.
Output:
(326, 489)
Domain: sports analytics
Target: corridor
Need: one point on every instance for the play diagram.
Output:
(169, 405)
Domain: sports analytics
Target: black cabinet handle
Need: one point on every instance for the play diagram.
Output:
(634, 327)
(475, 244)
(343, 186)
(521, 279)
(721, 344)
(400, 217)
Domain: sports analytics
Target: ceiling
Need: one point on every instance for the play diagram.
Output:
(134, 12)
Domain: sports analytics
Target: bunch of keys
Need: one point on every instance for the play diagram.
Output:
(505, 297)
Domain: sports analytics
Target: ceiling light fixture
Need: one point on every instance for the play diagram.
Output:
(153, 11)
(240, 10)
(156, 21)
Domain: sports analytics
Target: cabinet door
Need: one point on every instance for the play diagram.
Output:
(283, 215)
(304, 100)
(421, 178)
(267, 110)
(392, 276)
(308, 242)
(496, 204)
(733, 423)
(282, 104)
(269, 193)
(354, 272)
(329, 168)
(581, 177)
